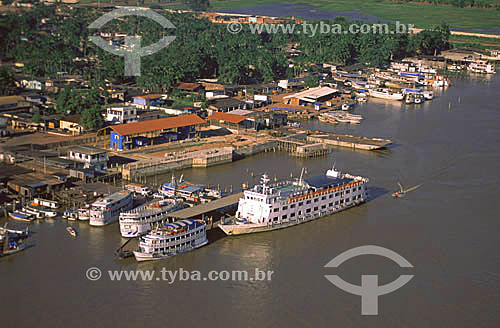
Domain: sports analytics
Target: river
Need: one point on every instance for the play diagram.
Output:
(447, 229)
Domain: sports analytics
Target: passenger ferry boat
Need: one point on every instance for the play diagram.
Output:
(385, 94)
(107, 210)
(284, 204)
(140, 220)
(172, 239)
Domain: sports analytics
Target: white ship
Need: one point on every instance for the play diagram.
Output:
(140, 220)
(481, 66)
(281, 205)
(385, 94)
(172, 239)
(107, 210)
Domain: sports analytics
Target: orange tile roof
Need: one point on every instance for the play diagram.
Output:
(232, 118)
(157, 125)
(188, 86)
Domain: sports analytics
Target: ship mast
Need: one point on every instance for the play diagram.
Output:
(265, 180)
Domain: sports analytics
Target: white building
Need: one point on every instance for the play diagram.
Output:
(91, 157)
(121, 114)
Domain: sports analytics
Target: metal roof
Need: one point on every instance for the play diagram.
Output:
(313, 93)
(157, 125)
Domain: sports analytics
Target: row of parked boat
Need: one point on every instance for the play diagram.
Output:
(37, 209)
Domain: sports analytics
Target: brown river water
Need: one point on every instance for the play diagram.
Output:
(447, 229)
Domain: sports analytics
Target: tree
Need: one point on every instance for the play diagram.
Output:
(92, 118)
(7, 81)
(310, 82)
(197, 5)
(37, 117)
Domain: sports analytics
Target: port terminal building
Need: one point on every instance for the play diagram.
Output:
(133, 135)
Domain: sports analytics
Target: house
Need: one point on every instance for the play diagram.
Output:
(195, 88)
(32, 84)
(72, 124)
(147, 115)
(90, 157)
(121, 114)
(29, 185)
(131, 135)
(226, 105)
(232, 122)
(23, 121)
(148, 100)
(13, 103)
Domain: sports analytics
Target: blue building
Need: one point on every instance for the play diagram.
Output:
(148, 100)
(138, 134)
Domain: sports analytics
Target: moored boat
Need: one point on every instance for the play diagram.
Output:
(141, 220)
(385, 93)
(269, 207)
(172, 239)
(107, 210)
(21, 216)
(9, 245)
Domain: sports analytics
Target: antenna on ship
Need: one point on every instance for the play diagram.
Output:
(301, 175)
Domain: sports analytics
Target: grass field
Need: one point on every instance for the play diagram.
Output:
(421, 15)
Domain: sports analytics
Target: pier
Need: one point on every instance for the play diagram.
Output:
(210, 212)
(354, 142)
(177, 161)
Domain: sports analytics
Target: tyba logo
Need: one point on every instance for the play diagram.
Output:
(369, 289)
(132, 51)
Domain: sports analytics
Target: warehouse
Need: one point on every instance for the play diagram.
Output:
(137, 134)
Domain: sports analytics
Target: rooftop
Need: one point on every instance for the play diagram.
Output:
(75, 118)
(88, 150)
(226, 117)
(188, 86)
(157, 125)
(7, 100)
(151, 96)
(313, 93)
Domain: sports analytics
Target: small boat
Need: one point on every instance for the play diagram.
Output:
(428, 95)
(401, 192)
(71, 214)
(71, 231)
(35, 213)
(84, 213)
(419, 98)
(44, 210)
(409, 99)
(10, 247)
(22, 216)
(346, 106)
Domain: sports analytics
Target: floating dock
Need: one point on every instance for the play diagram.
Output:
(354, 142)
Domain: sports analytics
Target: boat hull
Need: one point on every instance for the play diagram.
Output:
(243, 229)
(142, 257)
